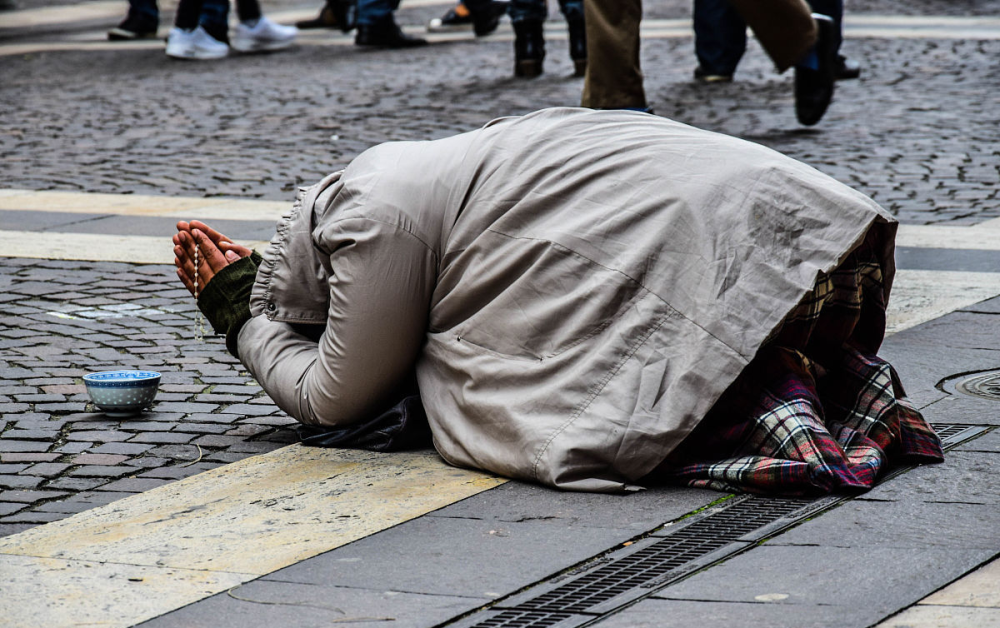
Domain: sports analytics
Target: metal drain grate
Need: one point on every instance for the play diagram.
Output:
(663, 556)
(667, 555)
(529, 619)
(983, 385)
(952, 434)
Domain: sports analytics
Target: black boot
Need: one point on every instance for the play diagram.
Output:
(529, 48)
(814, 88)
(386, 34)
(486, 16)
(578, 46)
(334, 14)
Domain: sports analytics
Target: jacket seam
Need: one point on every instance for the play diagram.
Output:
(623, 274)
(277, 246)
(394, 225)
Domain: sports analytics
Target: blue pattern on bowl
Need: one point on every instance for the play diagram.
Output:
(122, 393)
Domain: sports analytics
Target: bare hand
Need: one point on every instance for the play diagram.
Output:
(215, 252)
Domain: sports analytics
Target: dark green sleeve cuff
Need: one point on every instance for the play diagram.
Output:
(225, 301)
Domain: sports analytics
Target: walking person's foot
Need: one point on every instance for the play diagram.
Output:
(846, 69)
(460, 18)
(814, 78)
(263, 35)
(340, 14)
(529, 49)
(133, 27)
(385, 33)
(194, 44)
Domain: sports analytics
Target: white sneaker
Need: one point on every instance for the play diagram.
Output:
(264, 35)
(195, 44)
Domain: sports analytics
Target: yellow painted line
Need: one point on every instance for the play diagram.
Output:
(181, 207)
(984, 237)
(157, 551)
(919, 296)
(973, 600)
(921, 20)
(67, 14)
(93, 247)
(980, 588)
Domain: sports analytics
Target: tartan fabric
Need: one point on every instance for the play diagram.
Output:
(815, 411)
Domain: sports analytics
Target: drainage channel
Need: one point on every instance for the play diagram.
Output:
(588, 593)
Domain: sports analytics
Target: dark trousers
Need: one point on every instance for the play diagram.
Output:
(531, 10)
(614, 77)
(190, 12)
(720, 34)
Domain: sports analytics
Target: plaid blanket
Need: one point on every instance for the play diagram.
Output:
(815, 411)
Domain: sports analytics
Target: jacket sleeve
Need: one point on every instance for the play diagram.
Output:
(380, 283)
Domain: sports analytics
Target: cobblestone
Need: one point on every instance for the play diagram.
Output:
(28, 457)
(76, 484)
(161, 437)
(9, 508)
(34, 516)
(46, 469)
(99, 459)
(29, 496)
(125, 449)
(99, 471)
(134, 485)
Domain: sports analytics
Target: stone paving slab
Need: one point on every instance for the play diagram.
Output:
(989, 442)
(904, 523)
(638, 512)
(965, 477)
(266, 604)
(948, 259)
(27, 220)
(991, 306)
(446, 556)
(955, 344)
(865, 584)
(657, 613)
(964, 409)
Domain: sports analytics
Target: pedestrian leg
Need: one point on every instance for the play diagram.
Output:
(613, 77)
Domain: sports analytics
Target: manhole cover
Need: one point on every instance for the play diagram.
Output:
(985, 385)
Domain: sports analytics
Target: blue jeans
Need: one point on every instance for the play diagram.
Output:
(538, 10)
(372, 11)
(213, 12)
(720, 34)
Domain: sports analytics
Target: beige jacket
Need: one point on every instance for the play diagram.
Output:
(574, 288)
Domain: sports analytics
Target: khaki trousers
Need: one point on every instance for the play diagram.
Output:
(613, 79)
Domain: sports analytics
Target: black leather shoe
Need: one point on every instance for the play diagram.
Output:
(578, 46)
(386, 34)
(133, 27)
(340, 14)
(485, 23)
(814, 88)
(844, 68)
(529, 49)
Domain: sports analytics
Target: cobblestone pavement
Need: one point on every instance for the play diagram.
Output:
(918, 132)
(63, 319)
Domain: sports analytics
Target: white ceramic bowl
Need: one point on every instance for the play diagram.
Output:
(122, 393)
